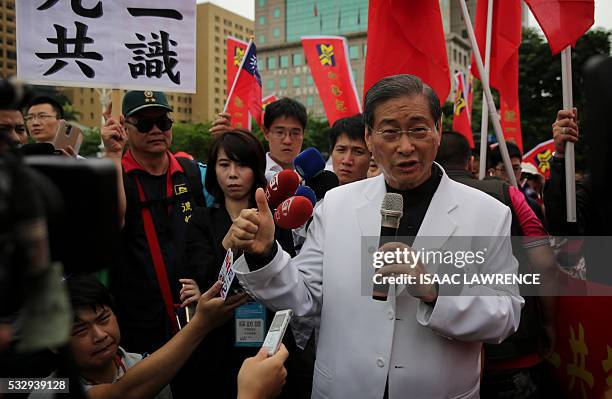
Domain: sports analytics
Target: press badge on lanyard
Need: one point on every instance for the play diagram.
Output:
(250, 324)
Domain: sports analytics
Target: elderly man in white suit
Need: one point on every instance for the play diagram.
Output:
(419, 343)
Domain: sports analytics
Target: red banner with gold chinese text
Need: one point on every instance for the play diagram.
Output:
(235, 53)
(510, 116)
(327, 57)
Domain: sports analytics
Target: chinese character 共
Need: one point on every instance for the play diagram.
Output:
(78, 42)
(577, 369)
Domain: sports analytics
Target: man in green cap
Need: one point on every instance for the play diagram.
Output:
(161, 193)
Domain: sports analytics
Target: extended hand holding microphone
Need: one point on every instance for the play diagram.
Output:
(391, 212)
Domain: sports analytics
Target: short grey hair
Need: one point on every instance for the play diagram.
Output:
(399, 86)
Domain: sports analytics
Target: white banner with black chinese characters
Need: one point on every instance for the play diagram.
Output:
(128, 44)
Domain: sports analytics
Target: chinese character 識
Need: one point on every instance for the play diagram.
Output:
(578, 369)
(186, 206)
(340, 106)
(158, 60)
(77, 7)
(155, 12)
(79, 42)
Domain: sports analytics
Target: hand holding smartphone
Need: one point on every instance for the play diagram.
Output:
(68, 135)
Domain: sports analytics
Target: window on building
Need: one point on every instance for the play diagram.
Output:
(365, 48)
(216, 18)
(296, 81)
(262, 39)
(276, 32)
(276, 13)
(282, 83)
(262, 20)
(260, 64)
(297, 59)
(217, 90)
(217, 49)
(355, 74)
(262, 3)
(309, 80)
(217, 29)
(10, 42)
(284, 61)
(455, 55)
(216, 80)
(270, 84)
(10, 18)
(217, 39)
(11, 55)
(354, 52)
(309, 101)
(91, 100)
(91, 115)
(271, 63)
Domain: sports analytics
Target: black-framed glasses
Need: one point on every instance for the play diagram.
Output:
(144, 125)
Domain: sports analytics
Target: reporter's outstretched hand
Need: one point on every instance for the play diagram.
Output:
(263, 377)
(213, 311)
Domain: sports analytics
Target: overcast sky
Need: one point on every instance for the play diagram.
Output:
(246, 8)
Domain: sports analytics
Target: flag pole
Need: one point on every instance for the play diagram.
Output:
(487, 91)
(484, 121)
(568, 104)
(229, 96)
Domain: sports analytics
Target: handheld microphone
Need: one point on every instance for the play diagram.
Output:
(307, 192)
(281, 187)
(309, 163)
(391, 212)
(293, 212)
(322, 183)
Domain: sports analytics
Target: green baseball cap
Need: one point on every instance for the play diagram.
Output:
(136, 100)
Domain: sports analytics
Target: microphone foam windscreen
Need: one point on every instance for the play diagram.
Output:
(307, 192)
(293, 212)
(322, 183)
(392, 202)
(281, 187)
(309, 163)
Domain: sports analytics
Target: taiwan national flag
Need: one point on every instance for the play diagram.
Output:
(244, 99)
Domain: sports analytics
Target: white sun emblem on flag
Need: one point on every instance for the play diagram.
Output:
(253, 67)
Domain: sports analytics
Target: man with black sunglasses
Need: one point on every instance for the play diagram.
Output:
(160, 198)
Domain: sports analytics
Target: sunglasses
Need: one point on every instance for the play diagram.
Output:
(145, 125)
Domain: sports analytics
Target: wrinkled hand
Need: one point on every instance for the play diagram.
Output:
(221, 125)
(253, 229)
(425, 292)
(190, 292)
(565, 129)
(262, 376)
(212, 311)
(113, 134)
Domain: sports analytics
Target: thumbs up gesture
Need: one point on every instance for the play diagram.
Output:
(253, 230)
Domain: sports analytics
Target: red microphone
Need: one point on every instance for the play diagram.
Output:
(293, 212)
(281, 187)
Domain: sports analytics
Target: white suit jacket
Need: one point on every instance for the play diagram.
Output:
(426, 351)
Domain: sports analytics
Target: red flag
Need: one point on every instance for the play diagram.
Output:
(407, 37)
(461, 117)
(235, 52)
(541, 156)
(511, 122)
(327, 57)
(505, 43)
(563, 21)
(244, 99)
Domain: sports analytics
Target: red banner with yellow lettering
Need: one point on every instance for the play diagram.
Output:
(235, 53)
(510, 116)
(327, 57)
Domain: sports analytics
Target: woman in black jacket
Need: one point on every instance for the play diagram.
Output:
(236, 169)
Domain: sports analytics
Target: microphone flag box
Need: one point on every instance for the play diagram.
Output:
(227, 276)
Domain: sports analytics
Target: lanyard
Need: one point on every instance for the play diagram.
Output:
(155, 251)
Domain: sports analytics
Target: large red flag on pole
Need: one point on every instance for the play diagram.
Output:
(461, 116)
(563, 21)
(407, 37)
(244, 98)
(327, 57)
(505, 43)
(235, 53)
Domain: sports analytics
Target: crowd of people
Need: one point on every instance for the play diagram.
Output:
(157, 327)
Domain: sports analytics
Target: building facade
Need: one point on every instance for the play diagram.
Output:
(8, 39)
